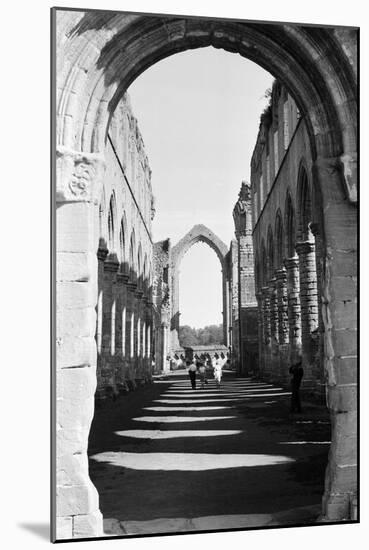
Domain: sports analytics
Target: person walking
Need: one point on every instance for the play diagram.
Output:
(202, 374)
(218, 372)
(192, 373)
(297, 373)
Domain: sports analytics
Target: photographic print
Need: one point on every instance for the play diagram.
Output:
(205, 288)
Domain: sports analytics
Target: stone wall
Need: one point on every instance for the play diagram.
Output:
(125, 260)
(161, 299)
(244, 285)
(305, 242)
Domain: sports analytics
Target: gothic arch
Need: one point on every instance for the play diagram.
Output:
(101, 53)
(123, 234)
(132, 259)
(290, 234)
(112, 220)
(279, 240)
(304, 203)
(270, 254)
(199, 233)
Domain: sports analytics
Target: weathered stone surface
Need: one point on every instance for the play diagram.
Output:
(76, 322)
(75, 351)
(73, 500)
(342, 398)
(76, 266)
(89, 525)
(75, 413)
(64, 527)
(75, 230)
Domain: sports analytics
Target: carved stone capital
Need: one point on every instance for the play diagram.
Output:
(291, 263)
(132, 285)
(79, 176)
(281, 275)
(304, 247)
(123, 277)
(102, 254)
(111, 264)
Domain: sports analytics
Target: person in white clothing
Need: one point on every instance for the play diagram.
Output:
(218, 372)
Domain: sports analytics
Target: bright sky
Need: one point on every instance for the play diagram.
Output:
(198, 112)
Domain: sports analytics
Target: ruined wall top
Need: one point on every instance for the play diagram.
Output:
(242, 211)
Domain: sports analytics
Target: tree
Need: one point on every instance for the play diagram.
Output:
(209, 335)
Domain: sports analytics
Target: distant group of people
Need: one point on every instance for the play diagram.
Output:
(198, 370)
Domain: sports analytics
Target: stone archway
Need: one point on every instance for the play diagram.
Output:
(99, 54)
(199, 233)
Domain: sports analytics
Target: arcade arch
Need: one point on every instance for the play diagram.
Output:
(318, 67)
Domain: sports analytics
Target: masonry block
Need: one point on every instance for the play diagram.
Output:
(75, 228)
(64, 527)
(76, 499)
(75, 352)
(342, 399)
(88, 525)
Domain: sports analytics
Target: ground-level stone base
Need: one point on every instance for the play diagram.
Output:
(81, 526)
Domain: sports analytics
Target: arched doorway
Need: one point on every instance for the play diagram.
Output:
(99, 55)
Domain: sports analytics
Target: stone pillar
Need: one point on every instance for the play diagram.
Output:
(282, 306)
(175, 316)
(309, 307)
(259, 298)
(339, 311)
(319, 333)
(131, 333)
(120, 336)
(274, 331)
(165, 363)
(274, 334)
(140, 322)
(283, 327)
(267, 332)
(225, 312)
(294, 307)
(78, 185)
(108, 380)
(101, 256)
(246, 282)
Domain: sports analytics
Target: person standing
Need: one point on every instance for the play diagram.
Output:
(297, 373)
(192, 373)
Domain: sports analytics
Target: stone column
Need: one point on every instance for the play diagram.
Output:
(132, 329)
(165, 330)
(111, 267)
(309, 306)
(339, 305)
(140, 319)
(267, 332)
(282, 306)
(274, 331)
(78, 185)
(259, 298)
(283, 327)
(319, 333)
(294, 307)
(225, 312)
(101, 256)
(120, 336)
